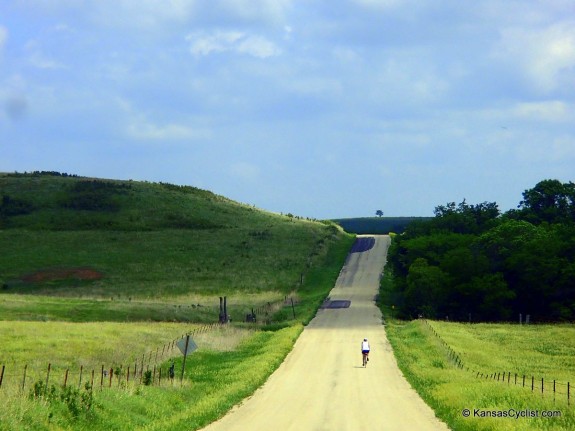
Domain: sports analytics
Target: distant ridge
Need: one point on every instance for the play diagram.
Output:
(376, 225)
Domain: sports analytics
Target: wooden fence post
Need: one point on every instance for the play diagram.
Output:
(568, 393)
(541, 385)
(80, 380)
(66, 377)
(92, 380)
(111, 375)
(47, 378)
(2, 375)
(532, 383)
(24, 378)
(102, 378)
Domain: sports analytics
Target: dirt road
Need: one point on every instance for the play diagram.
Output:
(321, 385)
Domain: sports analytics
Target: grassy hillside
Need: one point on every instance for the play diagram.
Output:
(81, 256)
(124, 245)
(376, 225)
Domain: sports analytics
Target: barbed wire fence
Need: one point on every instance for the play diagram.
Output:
(559, 390)
(152, 367)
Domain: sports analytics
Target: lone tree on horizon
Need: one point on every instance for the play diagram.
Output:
(379, 213)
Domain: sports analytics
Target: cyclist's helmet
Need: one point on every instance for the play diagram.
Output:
(365, 339)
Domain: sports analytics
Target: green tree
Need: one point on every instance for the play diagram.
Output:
(486, 298)
(425, 293)
(549, 201)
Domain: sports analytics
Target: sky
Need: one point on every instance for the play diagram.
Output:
(319, 108)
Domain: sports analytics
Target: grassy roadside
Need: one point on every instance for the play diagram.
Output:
(450, 390)
(215, 381)
(317, 283)
(90, 345)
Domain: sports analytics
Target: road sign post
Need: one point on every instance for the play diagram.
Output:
(186, 346)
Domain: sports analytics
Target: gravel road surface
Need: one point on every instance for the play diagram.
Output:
(322, 385)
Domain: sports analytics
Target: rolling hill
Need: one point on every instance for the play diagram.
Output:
(71, 238)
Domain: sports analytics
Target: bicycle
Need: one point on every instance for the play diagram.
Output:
(365, 358)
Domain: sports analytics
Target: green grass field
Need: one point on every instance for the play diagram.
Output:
(215, 380)
(542, 350)
(103, 273)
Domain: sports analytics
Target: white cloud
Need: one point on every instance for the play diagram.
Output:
(544, 149)
(407, 78)
(543, 54)
(346, 55)
(258, 47)
(38, 59)
(527, 113)
(202, 43)
(144, 13)
(3, 36)
(553, 111)
(143, 130)
(273, 11)
(380, 4)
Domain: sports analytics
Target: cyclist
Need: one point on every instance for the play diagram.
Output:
(365, 351)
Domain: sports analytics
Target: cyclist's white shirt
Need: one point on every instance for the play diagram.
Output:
(365, 345)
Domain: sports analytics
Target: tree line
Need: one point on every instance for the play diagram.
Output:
(471, 262)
